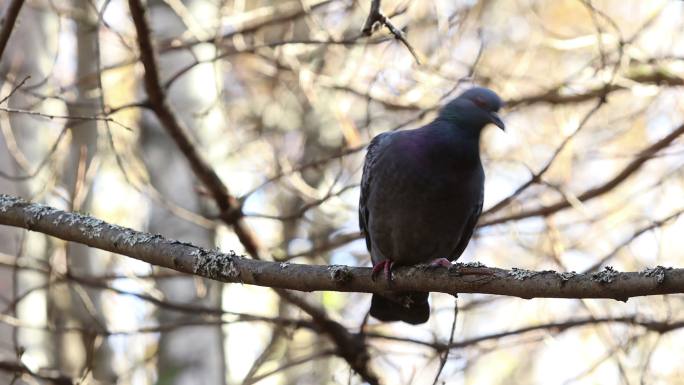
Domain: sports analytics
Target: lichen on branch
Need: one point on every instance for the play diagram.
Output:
(233, 268)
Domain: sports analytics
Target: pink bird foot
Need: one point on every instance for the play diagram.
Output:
(443, 262)
(385, 265)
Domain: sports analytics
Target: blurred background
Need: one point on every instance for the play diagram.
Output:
(281, 98)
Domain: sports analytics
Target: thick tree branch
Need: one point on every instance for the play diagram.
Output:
(472, 278)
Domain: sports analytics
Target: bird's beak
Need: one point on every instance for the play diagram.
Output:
(495, 119)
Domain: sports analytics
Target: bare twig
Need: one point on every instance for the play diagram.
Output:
(15, 88)
(299, 361)
(42, 164)
(445, 354)
(551, 327)
(166, 327)
(69, 118)
(261, 18)
(655, 224)
(376, 17)
(350, 346)
(231, 212)
(8, 21)
(230, 207)
(46, 375)
(633, 166)
(537, 177)
(555, 96)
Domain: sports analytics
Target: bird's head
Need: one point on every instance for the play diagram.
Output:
(474, 109)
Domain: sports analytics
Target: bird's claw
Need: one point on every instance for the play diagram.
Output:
(385, 265)
(443, 262)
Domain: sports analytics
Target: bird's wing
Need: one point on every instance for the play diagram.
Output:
(375, 148)
(467, 230)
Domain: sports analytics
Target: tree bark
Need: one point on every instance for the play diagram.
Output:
(464, 278)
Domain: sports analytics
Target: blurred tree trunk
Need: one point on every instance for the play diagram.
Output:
(190, 355)
(27, 54)
(317, 227)
(317, 231)
(74, 305)
(10, 245)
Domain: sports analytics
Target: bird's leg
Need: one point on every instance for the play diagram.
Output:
(385, 265)
(388, 271)
(377, 268)
(441, 262)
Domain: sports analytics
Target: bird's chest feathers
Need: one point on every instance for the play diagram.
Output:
(440, 165)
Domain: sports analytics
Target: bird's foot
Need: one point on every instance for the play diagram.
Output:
(385, 265)
(443, 262)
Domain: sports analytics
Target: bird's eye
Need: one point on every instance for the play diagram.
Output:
(480, 102)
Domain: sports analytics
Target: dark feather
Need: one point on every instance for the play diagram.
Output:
(413, 309)
(374, 148)
(422, 192)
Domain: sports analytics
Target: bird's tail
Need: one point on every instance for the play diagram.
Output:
(409, 307)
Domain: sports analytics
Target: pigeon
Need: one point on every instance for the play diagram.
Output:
(421, 196)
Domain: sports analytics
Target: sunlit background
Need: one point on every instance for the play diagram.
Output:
(281, 98)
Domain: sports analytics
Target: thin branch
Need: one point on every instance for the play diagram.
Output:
(46, 375)
(290, 364)
(231, 212)
(254, 21)
(317, 249)
(69, 118)
(161, 328)
(376, 17)
(232, 268)
(277, 335)
(51, 152)
(636, 234)
(633, 166)
(372, 18)
(8, 21)
(15, 89)
(230, 208)
(551, 327)
(445, 353)
(349, 346)
(537, 177)
(637, 74)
